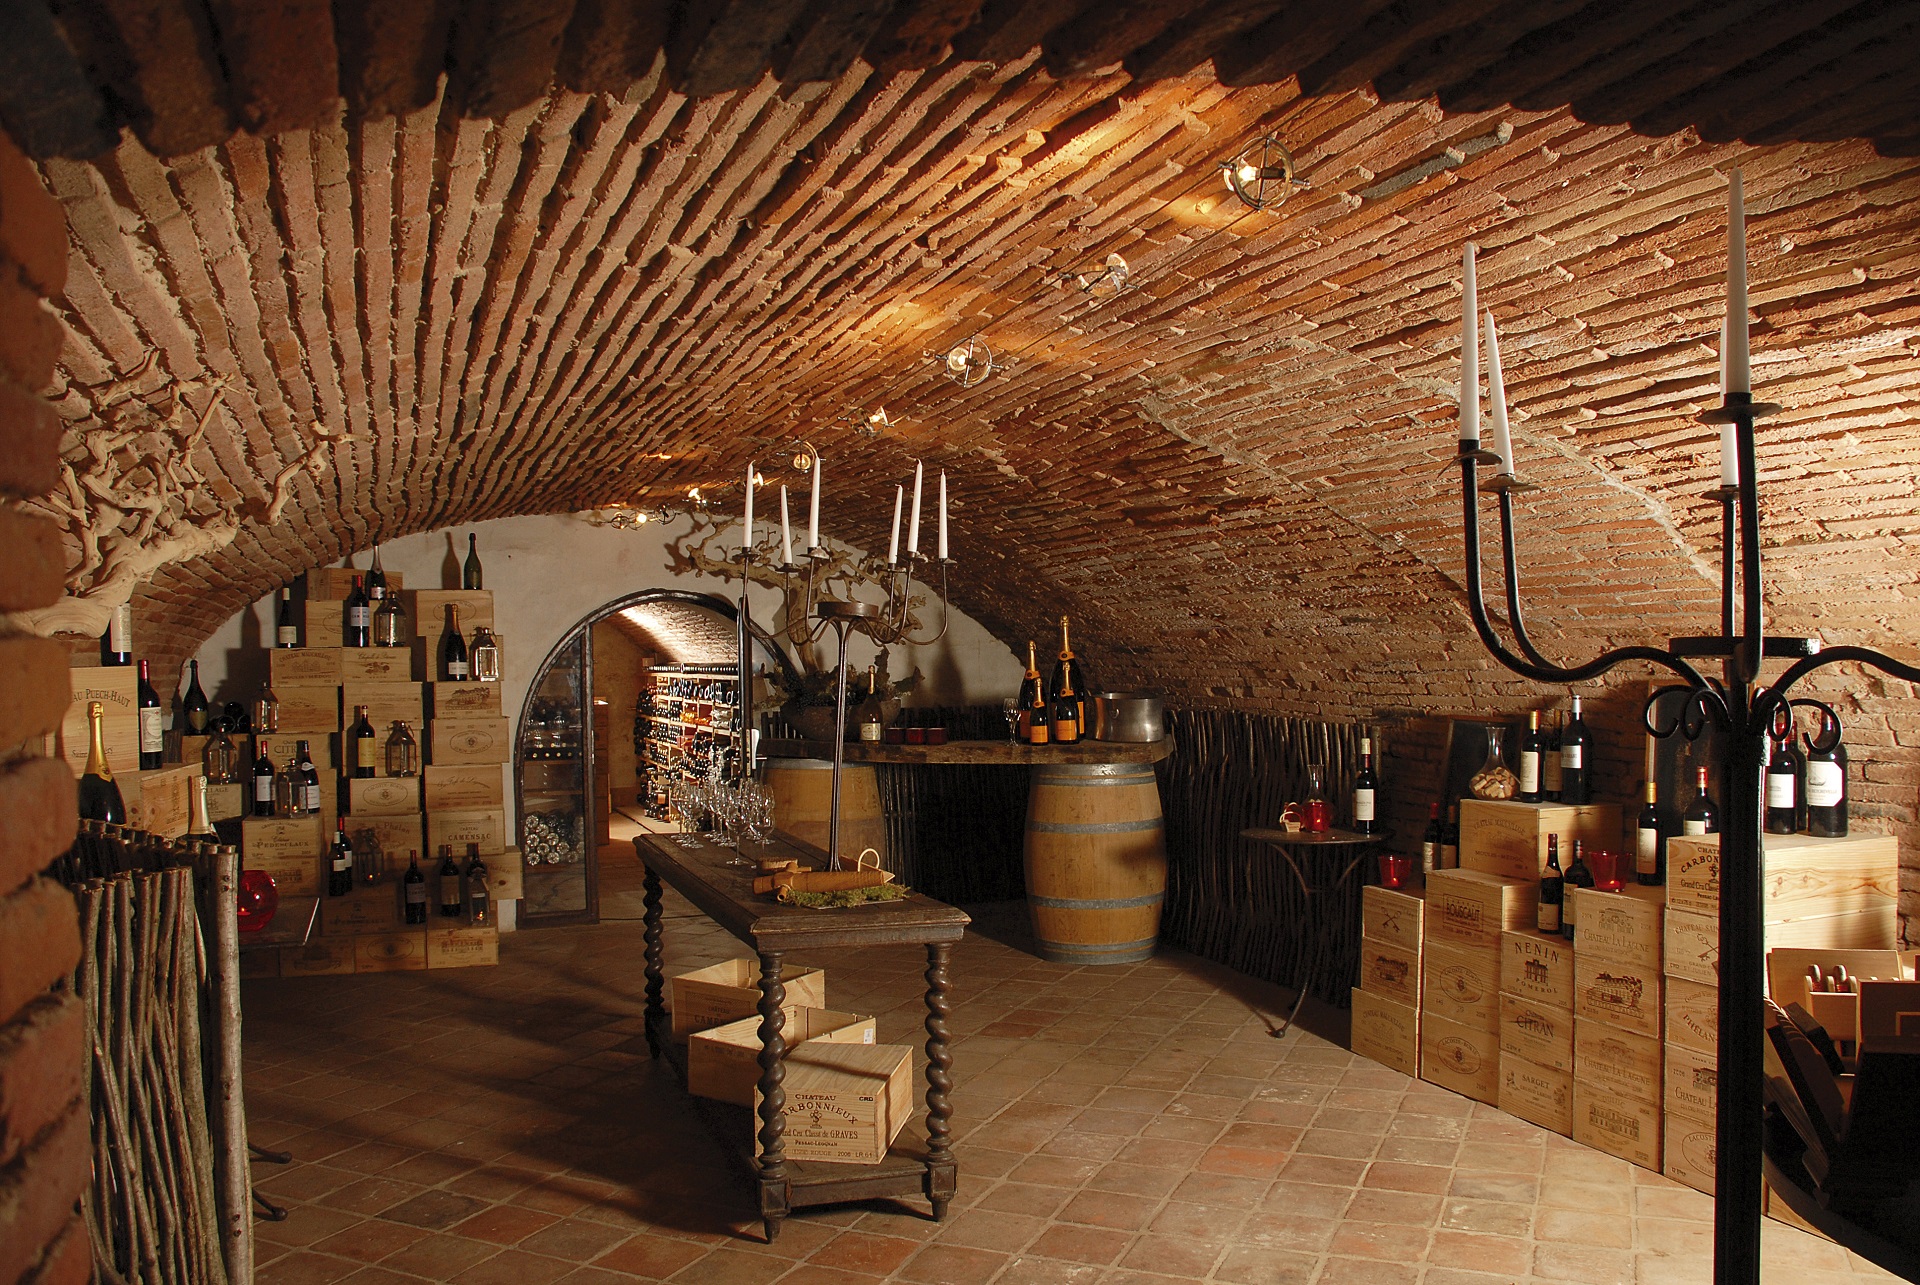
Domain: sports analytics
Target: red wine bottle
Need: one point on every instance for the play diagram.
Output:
(1579, 875)
(1703, 814)
(479, 901)
(1430, 841)
(1553, 890)
(1827, 781)
(340, 861)
(1783, 785)
(357, 617)
(1365, 787)
(1530, 750)
(414, 886)
(1576, 785)
(365, 751)
(264, 780)
(153, 728)
(450, 899)
(1649, 845)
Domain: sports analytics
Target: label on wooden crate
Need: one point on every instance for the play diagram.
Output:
(1620, 1127)
(465, 700)
(160, 800)
(485, 826)
(369, 796)
(322, 623)
(225, 802)
(1623, 925)
(1537, 1033)
(305, 666)
(376, 665)
(1468, 908)
(1693, 1015)
(385, 841)
(292, 876)
(463, 947)
(116, 687)
(1500, 837)
(726, 992)
(264, 837)
(429, 607)
(470, 740)
(1386, 1031)
(1617, 1063)
(1617, 993)
(481, 785)
(1391, 916)
(1461, 984)
(306, 711)
(724, 1063)
(1389, 970)
(364, 910)
(1538, 968)
(336, 583)
(1691, 1151)
(1804, 878)
(1691, 947)
(846, 1102)
(1460, 1058)
(387, 704)
(390, 952)
(1693, 1082)
(321, 956)
(504, 876)
(1541, 1094)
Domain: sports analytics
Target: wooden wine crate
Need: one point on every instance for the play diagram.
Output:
(304, 667)
(484, 826)
(470, 740)
(376, 665)
(1623, 1127)
(265, 837)
(429, 609)
(1691, 947)
(1536, 1033)
(726, 992)
(465, 700)
(1623, 926)
(846, 1102)
(319, 957)
(1392, 916)
(1537, 968)
(1621, 994)
(1469, 908)
(724, 1063)
(392, 952)
(1461, 1058)
(292, 876)
(1692, 1080)
(364, 910)
(463, 947)
(369, 796)
(226, 802)
(392, 836)
(1617, 1063)
(306, 710)
(160, 801)
(1787, 967)
(117, 688)
(505, 876)
(1462, 985)
(1386, 1031)
(479, 785)
(1693, 1015)
(1542, 1094)
(337, 582)
(1689, 1150)
(322, 622)
(387, 703)
(1500, 837)
(1818, 892)
(1389, 970)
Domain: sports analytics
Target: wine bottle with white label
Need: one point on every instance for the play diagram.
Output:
(1430, 841)
(1827, 781)
(1529, 791)
(1550, 762)
(265, 780)
(453, 652)
(1649, 845)
(1783, 785)
(356, 618)
(153, 725)
(117, 647)
(1575, 784)
(1365, 784)
(286, 633)
(1703, 814)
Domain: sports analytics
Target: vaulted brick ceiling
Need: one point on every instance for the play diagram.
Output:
(527, 297)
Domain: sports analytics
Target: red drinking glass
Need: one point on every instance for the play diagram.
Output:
(1395, 870)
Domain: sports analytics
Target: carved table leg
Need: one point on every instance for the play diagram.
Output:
(942, 1172)
(773, 1097)
(656, 1012)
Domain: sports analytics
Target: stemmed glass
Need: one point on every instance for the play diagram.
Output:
(1010, 708)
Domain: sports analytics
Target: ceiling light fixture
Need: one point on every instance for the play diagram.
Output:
(1111, 276)
(1262, 174)
(969, 363)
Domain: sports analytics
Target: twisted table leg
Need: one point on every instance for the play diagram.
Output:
(773, 1097)
(656, 1011)
(942, 1172)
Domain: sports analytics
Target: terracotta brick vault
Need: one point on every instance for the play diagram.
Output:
(611, 265)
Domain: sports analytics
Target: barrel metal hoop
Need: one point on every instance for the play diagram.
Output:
(1093, 773)
(1095, 827)
(1097, 903)
(1126, 952)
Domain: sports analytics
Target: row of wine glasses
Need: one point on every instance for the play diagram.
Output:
(730, 812)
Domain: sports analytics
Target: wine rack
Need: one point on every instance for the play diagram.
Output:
(687, 718)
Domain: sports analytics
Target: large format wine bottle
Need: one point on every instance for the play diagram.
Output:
(453, 652)
(193, 706)
(285, 632)
(470, 572)
(1083, 692)
(153, 727)
(1575, 785)
(1827, 781)
(117, 647)
(99, 794)
(356, 618)
(364, 754)
(1783, 785)
(1702, 815)
(1365, 784)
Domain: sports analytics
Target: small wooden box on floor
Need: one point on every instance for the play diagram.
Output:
(1386, 1031)
(726, 992)
(724, 1063)
(1688, 1150)
(117, 688)
(846, 1102)
(1818, 892)
(1500, 837)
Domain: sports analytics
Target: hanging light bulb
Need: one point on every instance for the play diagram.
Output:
(1262, 175)
(969, 363)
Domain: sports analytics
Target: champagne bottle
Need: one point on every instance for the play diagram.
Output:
(153, 727)
(403, 752)
(1450, 839)
(285, 632)
(414, 889)
(1649, 846)
(1575, 785)
(99, 794)
(308, 781)
(1083, 698)
(365, 753)
(356, 617)
(1553, 890)
(340, 861)
(1029, 684)
(1039, 724)
(376, 580)
(1066, 706)
(1529, 791)
(116, 648)
(390, 624)
(871, 719)
(199, 815)
(451, 903)
(479, 902)
(193, 706)
(1783, 785)
(470, 572)
(1826, 781)
(265, 779)
(1701, 816)
(1579, 875)
(1430, 841)
(1364, 786)
(1550, 763)
(453, 651)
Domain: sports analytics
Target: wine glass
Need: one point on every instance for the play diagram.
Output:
(1010, 709)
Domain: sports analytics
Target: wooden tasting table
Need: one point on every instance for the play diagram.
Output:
(979, 753)
(697, 869)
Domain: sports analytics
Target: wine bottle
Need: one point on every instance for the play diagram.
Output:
(1649, 846)
(1579, 875)
(1553, 890)
(193, 706)
(288, 798)
(340, 861)
(1575, 786)
(376, 579)
(1066, 704)
(414, 889)
(1783, 785)
(1550, 763)
(1364, 786)
(153, 727)
(451, 903)
(403, 752)
(365, 755)
(356, 618)
(479, 903)
(264, 780)
(1826, 781)
(1450, 839)
(307, 789)
(1039, 725)
(1024, 701)
(1083, 697)
(1430, 841)
(483, 657)
(470, 571)
(199, 815)
(116, 648)
(390, 623)
(99, 794)
(1701, 816)
(453, 651)
(285, 632)
(1529, 791)
(871, 717)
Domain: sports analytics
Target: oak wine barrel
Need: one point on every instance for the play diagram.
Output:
(802, 792)
(1096, 862)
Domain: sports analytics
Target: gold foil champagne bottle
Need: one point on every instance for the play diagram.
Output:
(99, 794)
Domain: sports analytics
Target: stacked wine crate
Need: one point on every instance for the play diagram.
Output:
(1617, 1015)
(1536, 1028)
(1386, 1004)
(458, 798)
(157, 799)
(1467, 913)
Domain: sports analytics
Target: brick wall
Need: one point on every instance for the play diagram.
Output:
(44, 1154)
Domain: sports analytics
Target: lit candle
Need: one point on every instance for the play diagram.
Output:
(913, 527)
(893, 543)
(747, 541)
(1738, 377)
(1729, 448)
(1497, 399)
(1470, 356)
(786, 530)
(943, 515)
(813, 509)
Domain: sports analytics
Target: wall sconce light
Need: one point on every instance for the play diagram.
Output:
(1111, 276)
(969, 363)
(1262, 175)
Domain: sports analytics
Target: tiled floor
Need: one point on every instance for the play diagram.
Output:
(504, 1126)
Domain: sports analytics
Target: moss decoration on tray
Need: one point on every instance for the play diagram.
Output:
(844, 896)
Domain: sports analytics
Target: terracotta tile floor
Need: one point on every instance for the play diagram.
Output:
(1127, 1125)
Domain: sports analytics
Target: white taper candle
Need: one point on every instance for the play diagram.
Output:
(1729, 449)
(746, 541)
(943, 515)
(1739, 376)
(1470, 353)
(1497, 399)
(786, 530)
(813, 509)
(913, 526)
(893, 542)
